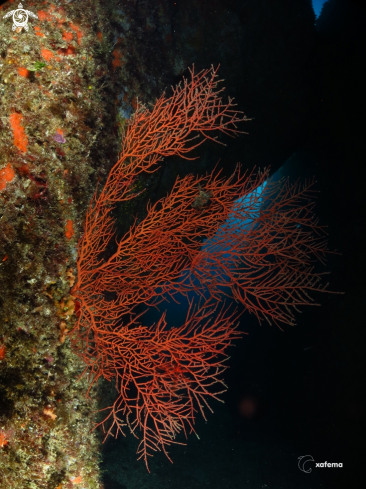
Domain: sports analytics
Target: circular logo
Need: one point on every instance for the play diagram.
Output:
(20, 17)
(302, 463)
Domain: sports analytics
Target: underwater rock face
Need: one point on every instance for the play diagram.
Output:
(67, 85)
(56, 139)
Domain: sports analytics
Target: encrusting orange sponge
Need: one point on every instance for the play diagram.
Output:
(6, 175)
(69, 230)
(20, 138)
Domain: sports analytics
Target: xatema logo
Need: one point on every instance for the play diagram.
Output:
(304, 460)
(20, 18)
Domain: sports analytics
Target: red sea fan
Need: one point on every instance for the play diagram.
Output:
(165, 375)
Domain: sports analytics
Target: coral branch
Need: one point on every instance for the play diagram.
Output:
(261, 247)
